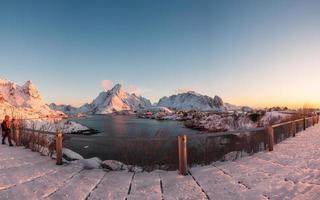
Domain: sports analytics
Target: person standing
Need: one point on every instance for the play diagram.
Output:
(6, 130)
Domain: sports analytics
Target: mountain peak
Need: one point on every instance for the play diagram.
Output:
(191, 92)
(116, 99)
(30, 89)
(29, 82)
(20, 97)
(217, 101)
(117, 87)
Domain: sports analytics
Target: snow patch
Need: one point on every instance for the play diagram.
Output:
(71, 155)
(91, 163)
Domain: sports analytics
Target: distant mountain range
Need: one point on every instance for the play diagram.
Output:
(117, 99)
(25, 101)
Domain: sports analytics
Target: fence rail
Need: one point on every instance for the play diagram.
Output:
(174, 152)
(43, 142)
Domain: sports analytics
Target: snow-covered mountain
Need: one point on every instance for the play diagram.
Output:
(231, 107)
(116, 99)
(23, 101)
(67, 109)
(193, 101)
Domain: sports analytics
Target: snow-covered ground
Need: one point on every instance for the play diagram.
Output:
(218, 121)
(274, 117)
(52, 125)
(291, 171)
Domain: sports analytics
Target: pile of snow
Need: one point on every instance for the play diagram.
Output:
(91, 163)
(71, 155)
(23, 101)
(274, 117)
(192, 101)
(96, 163)
(218, 123)
(53, 125)
(243, 122)
(212, 123)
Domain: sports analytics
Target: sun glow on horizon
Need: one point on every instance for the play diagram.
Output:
(254, 53)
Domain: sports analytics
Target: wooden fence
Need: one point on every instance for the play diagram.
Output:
(46, 143)
(218, 145)
(176, 152)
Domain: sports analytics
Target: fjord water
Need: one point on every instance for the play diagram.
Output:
(121, 131)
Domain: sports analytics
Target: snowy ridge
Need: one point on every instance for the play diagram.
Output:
(67, 109)
(23, 101)
(192, 101)
(116, 99)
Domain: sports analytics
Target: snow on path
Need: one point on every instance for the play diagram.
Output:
(80, 186)
(42, 186)
(176, 186)
(291, 171)
(145, 186)
(115, 185)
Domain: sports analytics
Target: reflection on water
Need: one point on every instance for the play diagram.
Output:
(131, 126)
(128, 138)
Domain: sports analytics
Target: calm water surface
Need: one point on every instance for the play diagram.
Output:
(131, 126)
(121, 134)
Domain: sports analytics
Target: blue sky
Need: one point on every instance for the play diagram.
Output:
(248, 52)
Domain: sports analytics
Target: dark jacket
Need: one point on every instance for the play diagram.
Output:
(5, 128)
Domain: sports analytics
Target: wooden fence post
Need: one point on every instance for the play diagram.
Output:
(32, 138)
(293, 128)
(270, 133)
(59, 138)
(182, 149)
(17, 136)
(304, 123)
